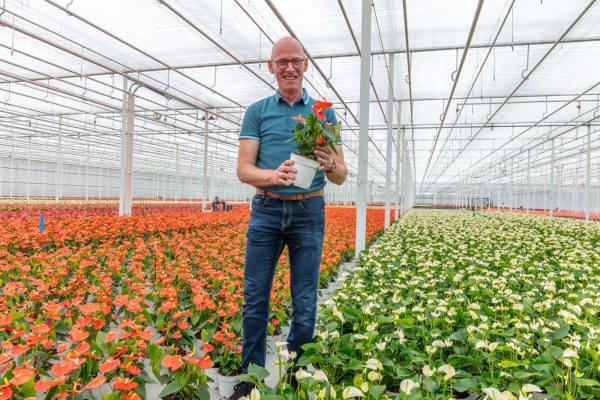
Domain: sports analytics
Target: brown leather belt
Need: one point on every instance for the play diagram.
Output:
(293, 197)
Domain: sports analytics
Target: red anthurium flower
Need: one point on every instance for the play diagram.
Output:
(132, 369)
(124, 384)
(172, 362)
(42, 385)
(110, 336)
(20, 349)
(21, 376)
(321, 140)
(4, 358)
(207, 347)
(131, 396)
(299, 118)
(5, 392)
(97, 381)
(205, 363)
(322, 104)
(182, 324)
(146, 335)
(109, 365)
(5, 320)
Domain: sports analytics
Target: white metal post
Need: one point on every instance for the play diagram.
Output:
(511, 193)
(528, 190)
(588, 178)
(87, 174)
(205, 166)
(58, 190)
(363, 137)
(123, 178)
(28, 167)
(388, 152)
(128, 195)
(177, 177)
(403, 176)
(398, 147)
(552, 178)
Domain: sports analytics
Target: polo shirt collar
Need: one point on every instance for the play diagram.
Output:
(305, 97)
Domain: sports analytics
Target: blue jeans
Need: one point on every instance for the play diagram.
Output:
(275, 223)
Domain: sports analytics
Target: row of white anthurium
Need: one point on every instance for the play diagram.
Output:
(448, 305)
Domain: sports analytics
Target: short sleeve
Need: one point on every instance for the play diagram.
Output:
(250, 124)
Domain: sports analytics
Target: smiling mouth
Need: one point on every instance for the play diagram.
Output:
(289, 78)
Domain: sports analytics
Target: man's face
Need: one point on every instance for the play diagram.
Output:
(288, 74)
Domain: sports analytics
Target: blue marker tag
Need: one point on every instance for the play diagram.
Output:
(41, 224)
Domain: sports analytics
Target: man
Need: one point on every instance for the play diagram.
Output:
(282, 214)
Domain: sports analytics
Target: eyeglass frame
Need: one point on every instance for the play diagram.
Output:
(278, 61)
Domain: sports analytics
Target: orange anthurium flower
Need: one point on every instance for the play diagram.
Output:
(97, 381)
(207, 347)
(4, 358)
(5, 320)
(299, 118)
(322, 104)
(205, 363)
(172, 362)
(5, 392)
(146, 335)
(42, 385)
(131, 396)
(20, 349)
(110, 336)
(108, 365)
(182, 324)
(132, 369)
(21, 376)
(124, 384)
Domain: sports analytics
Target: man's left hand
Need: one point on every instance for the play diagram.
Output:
(325, 158)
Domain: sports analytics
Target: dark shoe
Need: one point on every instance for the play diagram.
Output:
(240, 390)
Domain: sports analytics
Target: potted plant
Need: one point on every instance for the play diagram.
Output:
(310, 133)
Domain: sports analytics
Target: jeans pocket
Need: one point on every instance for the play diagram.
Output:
(314, 205)
(259, 201)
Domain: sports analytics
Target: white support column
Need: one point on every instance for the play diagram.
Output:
(588, 178)
(398, 148)
(123, 178)
(12, 175)
(388, 152)
(363, 137)
(403, 175)
(528, 189)
(205, 166)
(28, 167)
(87, 174)
(552, 178)
(58, 191)
(177, 177)
(126, 189)
(1, 170)
(511, 193)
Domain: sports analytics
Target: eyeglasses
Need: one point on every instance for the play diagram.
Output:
(283, 63)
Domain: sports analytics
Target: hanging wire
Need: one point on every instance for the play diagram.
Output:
(221, 20)
(12, 47)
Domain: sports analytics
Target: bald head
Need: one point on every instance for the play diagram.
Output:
(286, 44)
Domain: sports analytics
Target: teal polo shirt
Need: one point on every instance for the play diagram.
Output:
(270, 122)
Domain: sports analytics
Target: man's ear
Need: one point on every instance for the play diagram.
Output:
(270, 66)
(305, 63)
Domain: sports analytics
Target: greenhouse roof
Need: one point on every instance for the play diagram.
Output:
(491, 85)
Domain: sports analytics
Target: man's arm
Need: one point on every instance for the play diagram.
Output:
(327, 158)
(249, 173)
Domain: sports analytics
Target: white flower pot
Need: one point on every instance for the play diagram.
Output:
(306, 168)
(272, 343)
(226, 384)
(213, 374)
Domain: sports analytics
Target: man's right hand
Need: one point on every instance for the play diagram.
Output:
(285, 174)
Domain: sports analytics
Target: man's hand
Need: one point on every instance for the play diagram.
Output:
(284, 175)
(325, 158)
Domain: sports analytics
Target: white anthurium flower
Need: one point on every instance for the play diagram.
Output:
(334, 335)
(320, 376)
(374, 376)
(322, 393)
(364, 387)
(570, 353)
(255, 394)
(374, 364)
(495, 394)
(482, 344)
(448, 371)
(493, 346)
(438, 343)
(332, 393)
(284, 354)
(418, 309)
(302, 374)
(408, 385)
(293, 355)
(530, 388)
(381, 345)
(359, 336)
(351, 392)
(428, 371)
(281, 344)
(371, 327)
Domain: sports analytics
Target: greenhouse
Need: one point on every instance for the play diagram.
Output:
(450, 235)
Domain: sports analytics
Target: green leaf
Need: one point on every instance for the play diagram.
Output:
(586, 382)
(100, 341)
(465, 385)
(111, 396)
(509, 364)
(561, 332)
(201, 393)
(258, 371)
(172, 387)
